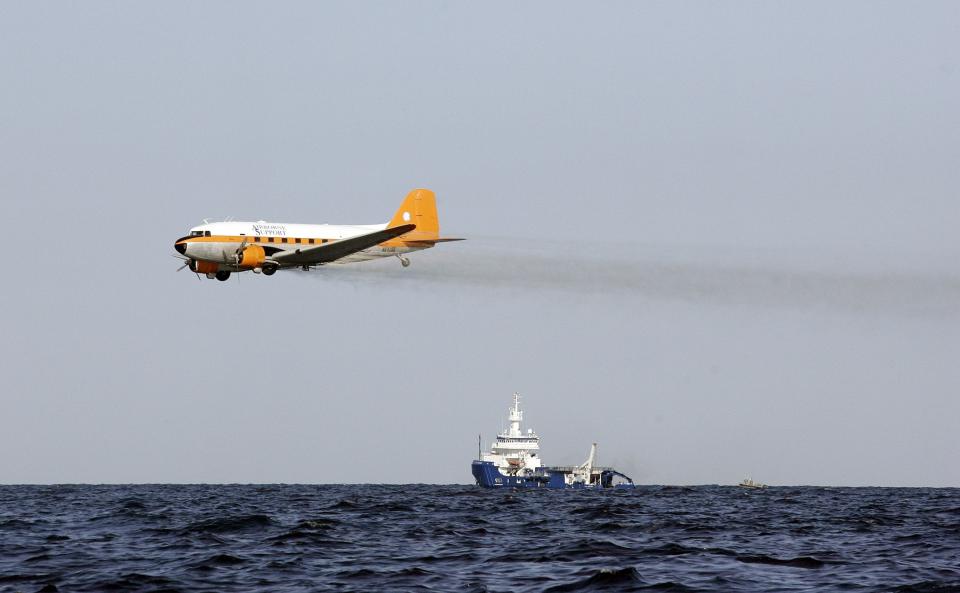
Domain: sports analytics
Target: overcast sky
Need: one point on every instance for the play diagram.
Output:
(719, 239)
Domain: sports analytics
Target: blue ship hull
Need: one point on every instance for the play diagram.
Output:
(488, 476)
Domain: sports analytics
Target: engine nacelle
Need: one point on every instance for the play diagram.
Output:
(204, 267)
(252, 256)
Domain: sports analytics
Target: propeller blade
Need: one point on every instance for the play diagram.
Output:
(238, 256)
(183, 266)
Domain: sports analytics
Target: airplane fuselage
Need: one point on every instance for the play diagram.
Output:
(217, 242)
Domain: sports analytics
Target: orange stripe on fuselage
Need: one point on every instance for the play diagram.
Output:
(263, 240)
(257, 239)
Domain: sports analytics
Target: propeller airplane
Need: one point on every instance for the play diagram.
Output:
(218, 249)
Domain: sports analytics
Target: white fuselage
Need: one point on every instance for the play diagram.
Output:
(217, 241)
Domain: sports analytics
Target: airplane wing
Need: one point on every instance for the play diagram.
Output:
(329, 252)
(430, 242)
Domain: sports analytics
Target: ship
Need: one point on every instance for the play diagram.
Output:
(514, 462)
(750, 483)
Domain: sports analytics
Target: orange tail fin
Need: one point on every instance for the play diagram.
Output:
(419, 208)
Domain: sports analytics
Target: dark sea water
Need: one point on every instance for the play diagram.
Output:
(461, 539)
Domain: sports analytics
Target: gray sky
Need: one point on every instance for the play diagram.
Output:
(720, 239)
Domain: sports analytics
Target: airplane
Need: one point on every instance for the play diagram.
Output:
(218, 249)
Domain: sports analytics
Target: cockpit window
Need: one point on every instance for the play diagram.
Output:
(196, 233)
(206, 233)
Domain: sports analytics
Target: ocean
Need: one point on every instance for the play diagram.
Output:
(465, 539)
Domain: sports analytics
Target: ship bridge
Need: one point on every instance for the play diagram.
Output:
(515, 452)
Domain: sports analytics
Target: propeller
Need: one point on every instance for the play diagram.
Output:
(237, 255)
(185, 260)
(186, 263)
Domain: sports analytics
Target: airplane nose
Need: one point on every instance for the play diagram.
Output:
(181, 247)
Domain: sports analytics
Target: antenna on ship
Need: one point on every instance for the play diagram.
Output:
(479, 449)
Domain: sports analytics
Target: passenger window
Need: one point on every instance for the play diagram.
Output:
(297, 241)
(310, 241)
(283, 239)
(269, 239)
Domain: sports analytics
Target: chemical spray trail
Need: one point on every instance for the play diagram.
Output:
(697, 276)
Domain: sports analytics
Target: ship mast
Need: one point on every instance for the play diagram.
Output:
(516, 416)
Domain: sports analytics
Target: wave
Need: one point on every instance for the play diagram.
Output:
(798, 562)
(568, 552)
(228, 524)
(605, 578)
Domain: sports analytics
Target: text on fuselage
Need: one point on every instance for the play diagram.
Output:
(270, 230)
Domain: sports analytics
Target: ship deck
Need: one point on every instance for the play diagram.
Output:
(570, 468)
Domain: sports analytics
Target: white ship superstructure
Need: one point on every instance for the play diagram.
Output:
(515, 453)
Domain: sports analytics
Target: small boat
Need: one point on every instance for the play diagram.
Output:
(514, 462)
(749, 483)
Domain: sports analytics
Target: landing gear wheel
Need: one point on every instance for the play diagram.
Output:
(269, 270)
(211, 275)
(405, 262)
(223, 276)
